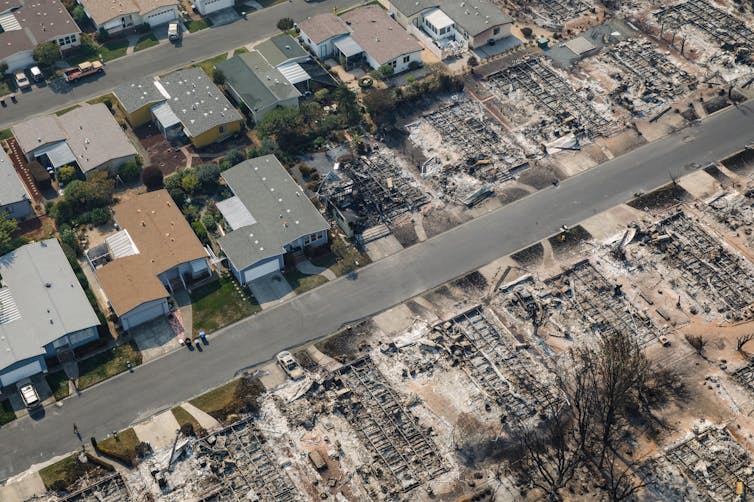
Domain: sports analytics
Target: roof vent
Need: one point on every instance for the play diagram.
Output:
(48, 285)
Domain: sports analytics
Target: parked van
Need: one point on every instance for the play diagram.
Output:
(28, 394)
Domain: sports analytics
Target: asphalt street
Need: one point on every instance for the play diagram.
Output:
(161, 59)
(180, 375)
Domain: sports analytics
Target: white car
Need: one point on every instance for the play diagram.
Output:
(290, 366)
(28, 394)
(22, 81)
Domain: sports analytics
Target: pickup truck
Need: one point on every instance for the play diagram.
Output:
(22, 82)
(289, 365)
(29, 394)
(84, 69)
(174, 32)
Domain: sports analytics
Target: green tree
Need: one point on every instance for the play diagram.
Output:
(218, 77)
(8, 229)
(129, 172)
(380, 104)
(152, 178)
(386, 70)
(209, 222)
(277, 122)
(190, 183)
(66, 174)
(79, 15)
(285, 24)
(46, 53)
(347, 104)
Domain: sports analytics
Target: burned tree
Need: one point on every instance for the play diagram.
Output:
(698, 342)
(743, 340)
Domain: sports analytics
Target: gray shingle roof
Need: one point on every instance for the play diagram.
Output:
(91, 132)
(192, 96)
(379, 35)
(11, 188)
(282, 211)
(42, 301)
(259, 84)
(323, 27)
(474, 16)
(281, 49)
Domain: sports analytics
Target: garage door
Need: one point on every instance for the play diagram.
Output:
(25, 371)
(144, 313)
(160, 16)
(261, 270)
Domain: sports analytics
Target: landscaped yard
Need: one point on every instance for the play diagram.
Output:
(301, 282)
(58, 382)
(123, 448)
(5, 134)
(184, 417)
(219, 304)
(89, 50)
(6, 412)
(342, 259)
(61, 475)
(208, 65)
(107, 364)
(236, 396)
(145, 42)
(196, 25)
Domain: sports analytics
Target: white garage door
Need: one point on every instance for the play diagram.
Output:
(160, 16)
(25, 371)
(144, 313)
(261, 270)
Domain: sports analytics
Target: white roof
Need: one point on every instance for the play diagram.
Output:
(579, 45)
(121, 245)
(439, 19)
(235, 213)
(165, 115)
(293, 73)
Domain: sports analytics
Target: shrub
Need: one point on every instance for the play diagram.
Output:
(129, 172)
(285, 24)
(200, 232)
(189, 183)
(152, 178)
(526, 31)
(386, 70)
(99, 216)
(66, 174)
(207, 176)
(235, 156)
(473, 61)
(414, 65)
(102, 35)
(218, 77)
(46, 53)
(321, 94)
(209, 222)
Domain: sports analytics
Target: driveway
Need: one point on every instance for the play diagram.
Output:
(271, 290)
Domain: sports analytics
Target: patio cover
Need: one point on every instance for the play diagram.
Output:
(293, 73)
(348, 47)
(164, 115)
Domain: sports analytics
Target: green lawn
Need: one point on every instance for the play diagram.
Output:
(123, 448)
(219, 304)
(61, 475)
(58, 382)
(145, 42)
(6, 134)
(106, 98)
(216, 400)
(113, 49)
(240, 50)
(208, 65)
(66, 110)
(301, 282)
(107, 364)
(6, 412)
(194, 25)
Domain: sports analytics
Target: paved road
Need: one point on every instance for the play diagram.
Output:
(180, 375)
(165, 57)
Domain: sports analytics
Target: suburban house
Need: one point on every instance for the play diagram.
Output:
(87, 137)
(118, 15)
(474, 23)
(24, 24)
(154, 254)
(363, 34)
(205, 7)
(43, 310)
(14, 201)
(258, 85)
(269, 215)
(184, 105)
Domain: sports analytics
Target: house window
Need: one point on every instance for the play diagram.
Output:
(73, 39)
(406, 59)
(223, 128)
(61, 41)
(496, 31)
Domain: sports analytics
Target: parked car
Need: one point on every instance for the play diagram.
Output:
(174, 32)
(290, 366)
(36, 74)
(28, 394)
(22, 81)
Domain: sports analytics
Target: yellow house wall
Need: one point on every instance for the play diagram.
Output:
(140, 116)
(209, 137)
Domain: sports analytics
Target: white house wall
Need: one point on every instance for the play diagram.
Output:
(144, 313)
(20, 60)
(10, 376)
(400, 64)
(160, 16)
(208, 6)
